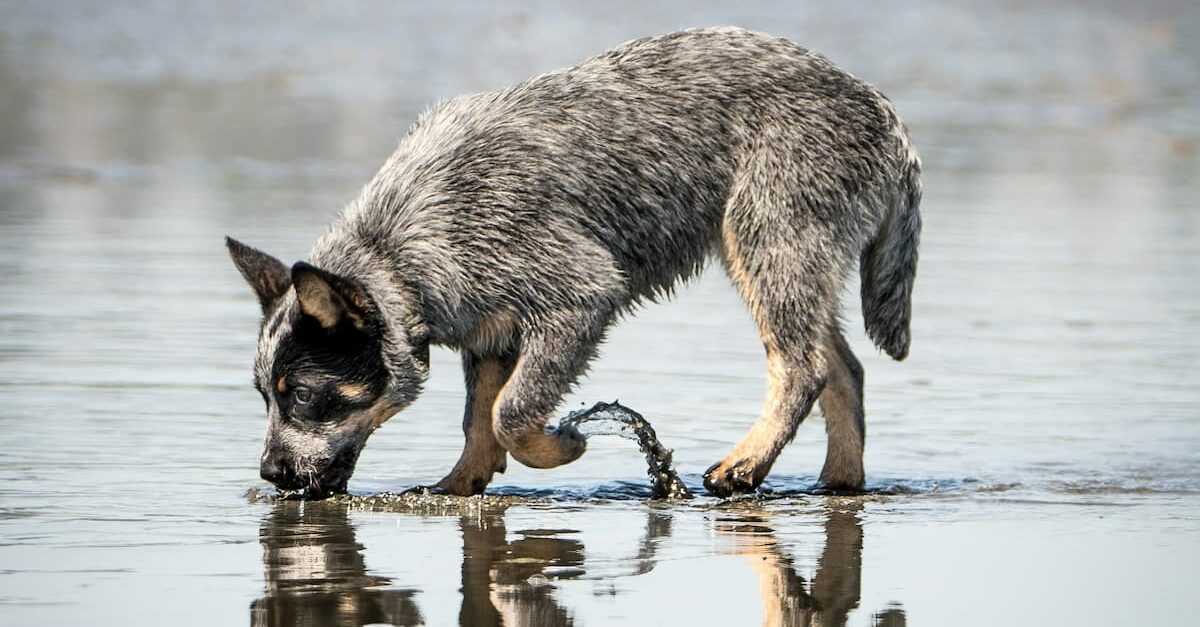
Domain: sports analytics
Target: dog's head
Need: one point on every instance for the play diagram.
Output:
(327, 369)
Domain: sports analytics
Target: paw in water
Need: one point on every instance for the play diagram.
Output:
(724, 479)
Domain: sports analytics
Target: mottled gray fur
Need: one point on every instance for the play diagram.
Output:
(518, 225)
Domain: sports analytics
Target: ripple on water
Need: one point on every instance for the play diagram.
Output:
(778, 490)
(1119, 488)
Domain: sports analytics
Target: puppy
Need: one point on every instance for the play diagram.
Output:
(516, 226)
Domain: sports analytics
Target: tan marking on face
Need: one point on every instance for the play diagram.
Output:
(352, 391)
(370, 419)
(281, 385)
(496, 332)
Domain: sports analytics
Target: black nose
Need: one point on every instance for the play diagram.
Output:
(274, 470)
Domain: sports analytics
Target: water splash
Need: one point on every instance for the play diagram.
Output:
(616, 419)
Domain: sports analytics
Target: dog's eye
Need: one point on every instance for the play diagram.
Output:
(302, 395)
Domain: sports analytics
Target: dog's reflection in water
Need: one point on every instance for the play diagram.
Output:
(315, 574)
(836, 587)
(504, 582)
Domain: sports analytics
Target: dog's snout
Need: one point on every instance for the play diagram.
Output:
(273, 469)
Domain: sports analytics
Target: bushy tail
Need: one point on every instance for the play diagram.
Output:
(889, 265)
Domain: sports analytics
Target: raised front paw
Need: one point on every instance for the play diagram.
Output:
(549, 448)
(728, 477)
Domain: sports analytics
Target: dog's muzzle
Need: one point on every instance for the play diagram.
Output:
(279, 472)
(278, 469)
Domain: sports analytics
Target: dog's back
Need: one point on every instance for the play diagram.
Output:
(613, 176)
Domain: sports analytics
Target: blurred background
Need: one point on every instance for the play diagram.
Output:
(1056, 321)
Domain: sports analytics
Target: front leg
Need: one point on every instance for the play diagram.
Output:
(482, 455)
(551, 360)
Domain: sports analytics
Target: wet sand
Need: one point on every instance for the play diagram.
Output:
(1036, 460)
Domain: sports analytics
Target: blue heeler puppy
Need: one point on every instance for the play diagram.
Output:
(516, 226)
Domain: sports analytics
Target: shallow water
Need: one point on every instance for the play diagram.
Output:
(1035, 460)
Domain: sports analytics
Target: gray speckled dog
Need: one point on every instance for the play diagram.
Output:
(516, 226)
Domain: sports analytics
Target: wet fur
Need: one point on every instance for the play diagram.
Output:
(518, 225)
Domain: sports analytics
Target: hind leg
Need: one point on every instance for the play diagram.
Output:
(789, 275)
(845, 426)
(792, 387)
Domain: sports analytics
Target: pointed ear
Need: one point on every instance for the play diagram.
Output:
(267, 276)
(330, 298)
